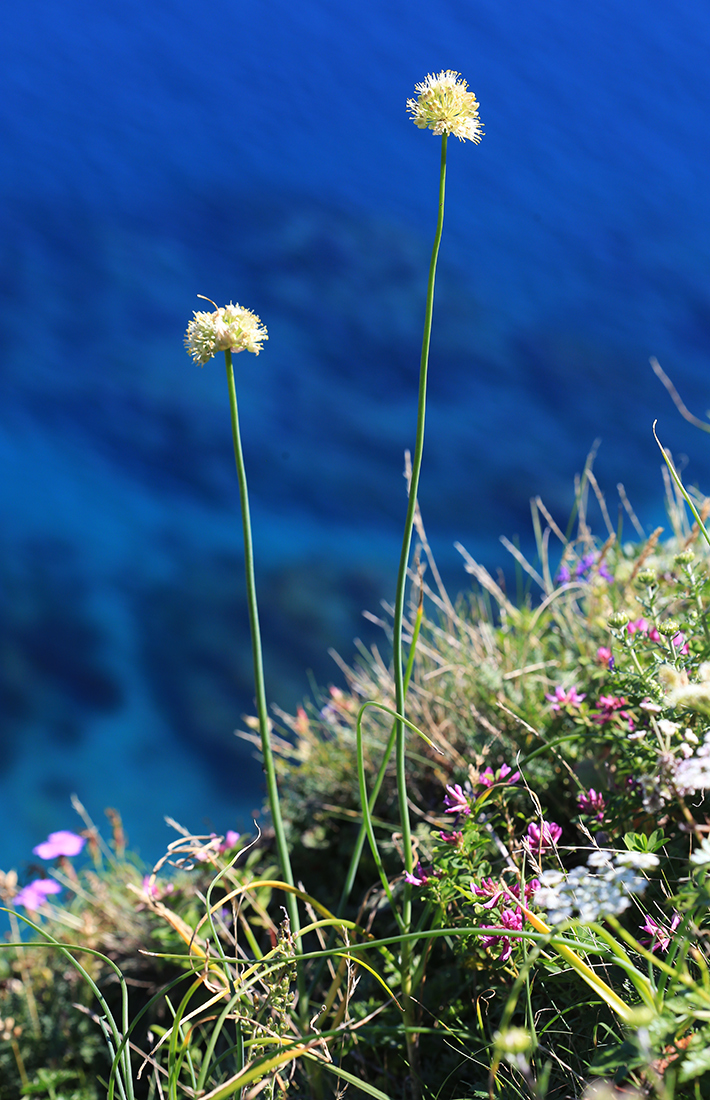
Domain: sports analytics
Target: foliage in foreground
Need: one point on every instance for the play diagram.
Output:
(561, 891)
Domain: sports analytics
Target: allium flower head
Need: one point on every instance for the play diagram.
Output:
(445, 105)
(229, 328)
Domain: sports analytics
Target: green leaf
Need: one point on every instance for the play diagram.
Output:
(639, 842)
(617, 1060)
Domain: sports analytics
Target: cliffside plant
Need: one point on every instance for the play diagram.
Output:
(493, 850)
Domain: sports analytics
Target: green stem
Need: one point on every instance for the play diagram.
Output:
(408, 527)
(261, 708)
(406, 957)
(362, 835)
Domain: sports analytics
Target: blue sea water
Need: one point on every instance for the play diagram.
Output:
(261, 152)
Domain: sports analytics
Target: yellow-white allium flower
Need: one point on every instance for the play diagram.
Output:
(229, 328)
(445, 106)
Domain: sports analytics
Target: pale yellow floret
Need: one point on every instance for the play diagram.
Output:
(445, 106)
(229, 328)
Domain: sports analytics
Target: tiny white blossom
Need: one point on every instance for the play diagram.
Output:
(600, 857)
(642, 861)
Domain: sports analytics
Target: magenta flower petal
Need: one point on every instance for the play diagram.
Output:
(544, 836)
(455, 800)
(34, 894)
(62, 843)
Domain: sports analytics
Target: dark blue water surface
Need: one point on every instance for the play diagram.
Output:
(261, 152)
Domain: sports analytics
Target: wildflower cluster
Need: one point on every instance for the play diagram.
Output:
(601, 888)
(510, 915)
(59, 845)
(589, 566)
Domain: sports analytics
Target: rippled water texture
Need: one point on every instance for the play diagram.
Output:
(260, 152)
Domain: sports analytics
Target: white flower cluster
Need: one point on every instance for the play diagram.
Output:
(229, 328)
(601, 888)
(693, 774)
(445, 105)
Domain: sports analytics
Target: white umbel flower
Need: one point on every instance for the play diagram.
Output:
(229, 328)
(600, 889)
(445, 105)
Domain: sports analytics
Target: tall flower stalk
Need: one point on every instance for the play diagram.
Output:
(445, 106)
(232, 329)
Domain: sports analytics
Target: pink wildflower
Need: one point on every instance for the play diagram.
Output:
(561, 698)
(488, 777)
(660, 936)
(642, 626)
(230, 841)
(451, 838)
(490, 889)
(154, 889)
(62, 843)
(456, 801)
(34, 894)
(530, 887)
(542, 837)
(604, 656)
(216, 845)
(509, 919)
(420, 876)
(611, 706)
(592, 802)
